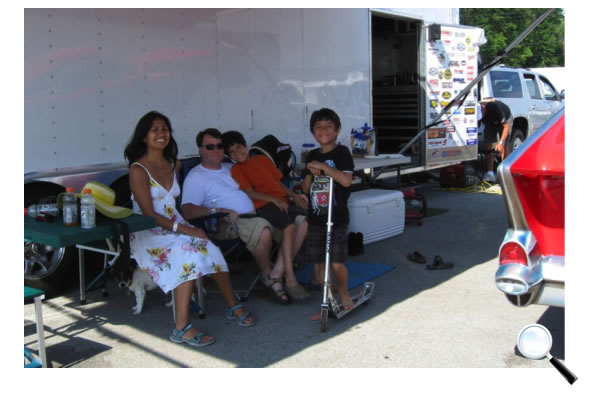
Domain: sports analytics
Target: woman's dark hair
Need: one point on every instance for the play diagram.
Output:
(213, 132)
(324, 114)
(136, 147)
(232, 137)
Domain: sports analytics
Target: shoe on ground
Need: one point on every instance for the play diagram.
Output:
(489, 177)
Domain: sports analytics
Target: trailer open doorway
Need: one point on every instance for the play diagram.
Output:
(395, 83)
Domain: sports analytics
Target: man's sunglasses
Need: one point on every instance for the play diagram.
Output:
(212, 146)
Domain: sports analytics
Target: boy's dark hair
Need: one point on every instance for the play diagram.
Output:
(232, 137)
(215, 133)
(324, 114)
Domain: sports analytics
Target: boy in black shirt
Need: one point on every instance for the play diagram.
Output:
(334, 160)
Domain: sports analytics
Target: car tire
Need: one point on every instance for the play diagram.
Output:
(517, 139)
(47, 268)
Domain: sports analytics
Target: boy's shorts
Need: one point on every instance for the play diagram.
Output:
(315, 244)
(277, 217)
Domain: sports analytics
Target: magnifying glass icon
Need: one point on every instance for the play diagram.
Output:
(534, 342)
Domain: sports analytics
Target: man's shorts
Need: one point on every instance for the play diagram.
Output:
(247, 228)
(316, 243)
(492, 133)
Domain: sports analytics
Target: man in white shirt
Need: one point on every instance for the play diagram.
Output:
(211, 181)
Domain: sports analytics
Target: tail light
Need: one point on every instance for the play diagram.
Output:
(512, 253)
(513, 256)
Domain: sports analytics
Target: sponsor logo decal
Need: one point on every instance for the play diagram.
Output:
(446, 95)
(463, 63)
(447, 74)
(470, 111)
(436, 133)
(471, 130)
(471, 142)
(434, 82)
(447, 85)
(454, 63)
(459, 80)
(433, 103)
(468, 40)
(460, 47)
(433, 71)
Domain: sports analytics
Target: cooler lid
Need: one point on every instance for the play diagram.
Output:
(373, 196)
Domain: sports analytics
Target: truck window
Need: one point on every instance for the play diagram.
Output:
(549, 91)
(532, 86)
(506, 84)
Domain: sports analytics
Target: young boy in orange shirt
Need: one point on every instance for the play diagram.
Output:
(261, 180)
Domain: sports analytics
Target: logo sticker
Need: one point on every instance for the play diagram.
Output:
(446, 95)
(433, 71)
(470, 111)
(447, 74)
(460, 47)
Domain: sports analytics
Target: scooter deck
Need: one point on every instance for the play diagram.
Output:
(362, 297)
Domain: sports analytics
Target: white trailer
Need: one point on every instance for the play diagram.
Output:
(90, 74)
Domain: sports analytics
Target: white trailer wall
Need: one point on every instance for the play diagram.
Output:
(91, 74)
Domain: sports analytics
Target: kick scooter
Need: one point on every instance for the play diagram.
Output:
(322, 189)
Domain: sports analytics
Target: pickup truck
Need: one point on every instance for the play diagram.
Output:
(531, 97)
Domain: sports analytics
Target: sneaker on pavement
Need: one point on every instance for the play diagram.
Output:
(489, 176)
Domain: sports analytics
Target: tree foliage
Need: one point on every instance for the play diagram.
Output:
(543, 47)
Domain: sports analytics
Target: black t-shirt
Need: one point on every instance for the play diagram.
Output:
(496, 113)
(339, 158)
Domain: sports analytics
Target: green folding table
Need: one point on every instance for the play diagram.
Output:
(57, 235)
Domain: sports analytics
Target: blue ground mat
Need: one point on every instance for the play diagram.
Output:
(358, 273)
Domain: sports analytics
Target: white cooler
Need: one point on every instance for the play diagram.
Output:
(377, 213)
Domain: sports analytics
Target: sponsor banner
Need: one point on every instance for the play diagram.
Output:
(448, 154)
(450, 65)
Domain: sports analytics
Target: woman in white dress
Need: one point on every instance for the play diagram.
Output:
(174, 253)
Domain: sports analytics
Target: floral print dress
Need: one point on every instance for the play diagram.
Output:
(172, 258)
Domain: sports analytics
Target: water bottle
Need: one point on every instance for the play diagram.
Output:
(70, 208)
(212, 222)
(88, 210)
(36, 209)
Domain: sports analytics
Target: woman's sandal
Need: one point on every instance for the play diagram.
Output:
(177, 337)
(241, 320)
(438, 263)
(280, 295)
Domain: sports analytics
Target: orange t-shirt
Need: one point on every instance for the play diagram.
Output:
(259, 174)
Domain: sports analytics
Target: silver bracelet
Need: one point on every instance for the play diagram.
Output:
(175, 225)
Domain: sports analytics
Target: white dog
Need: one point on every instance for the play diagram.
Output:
(141, 282)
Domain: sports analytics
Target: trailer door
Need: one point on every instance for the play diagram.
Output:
(450, 63)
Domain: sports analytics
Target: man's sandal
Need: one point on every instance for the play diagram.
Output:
(280, 295)
(241, 320)
(177, 337)
(438, 263)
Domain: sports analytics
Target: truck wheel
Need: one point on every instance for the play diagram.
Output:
(517, 139)
(47, 268)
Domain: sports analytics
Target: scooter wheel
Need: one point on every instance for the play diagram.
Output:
(324, 314)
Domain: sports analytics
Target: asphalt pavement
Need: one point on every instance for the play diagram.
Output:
(417, 318)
